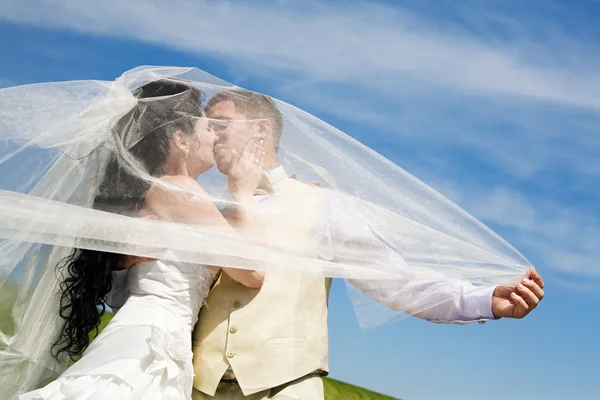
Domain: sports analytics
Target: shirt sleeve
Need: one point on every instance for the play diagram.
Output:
(342, 235)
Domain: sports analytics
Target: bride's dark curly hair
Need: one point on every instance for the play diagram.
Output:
(142, 138)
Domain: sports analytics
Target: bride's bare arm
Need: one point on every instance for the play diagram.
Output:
(192, 205)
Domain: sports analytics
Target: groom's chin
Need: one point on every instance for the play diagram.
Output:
(223, 166)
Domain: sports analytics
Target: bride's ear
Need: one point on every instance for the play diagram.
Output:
(181, 141)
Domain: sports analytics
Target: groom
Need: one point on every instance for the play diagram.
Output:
(271, 342)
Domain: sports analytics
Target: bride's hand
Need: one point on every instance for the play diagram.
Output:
(246, 169)
(244, 177)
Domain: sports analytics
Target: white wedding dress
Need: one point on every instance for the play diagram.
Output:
(145, 352)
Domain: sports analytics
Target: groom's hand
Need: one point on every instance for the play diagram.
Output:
(518, 301)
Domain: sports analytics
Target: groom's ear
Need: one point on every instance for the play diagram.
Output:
(264, 127)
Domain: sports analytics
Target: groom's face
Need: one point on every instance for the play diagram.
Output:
(233, 132)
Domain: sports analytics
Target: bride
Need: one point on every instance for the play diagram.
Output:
(145, 351)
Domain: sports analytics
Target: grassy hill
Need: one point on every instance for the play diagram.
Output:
(334, 389)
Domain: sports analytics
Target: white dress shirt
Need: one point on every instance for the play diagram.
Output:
(336, 224)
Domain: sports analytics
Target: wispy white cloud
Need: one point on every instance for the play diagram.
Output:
(365, 43)
(553, 149)
(557, 236)
(563, 238)
(579, 287)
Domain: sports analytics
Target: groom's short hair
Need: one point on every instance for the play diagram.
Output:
(254, 106)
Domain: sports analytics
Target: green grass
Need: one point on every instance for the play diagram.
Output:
(334, 389)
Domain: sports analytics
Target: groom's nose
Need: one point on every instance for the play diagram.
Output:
(221, 134)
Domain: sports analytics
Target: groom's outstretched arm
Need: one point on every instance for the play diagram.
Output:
(341, 236)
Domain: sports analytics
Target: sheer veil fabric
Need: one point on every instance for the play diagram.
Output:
(58, 140)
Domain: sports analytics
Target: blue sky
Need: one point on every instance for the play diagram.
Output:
(495, 104)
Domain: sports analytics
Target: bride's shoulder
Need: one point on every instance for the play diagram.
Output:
(180, 180)
(173, 187)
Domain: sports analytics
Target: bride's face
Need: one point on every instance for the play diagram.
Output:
(200, 157)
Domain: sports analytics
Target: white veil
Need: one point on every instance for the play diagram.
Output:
(57, 140)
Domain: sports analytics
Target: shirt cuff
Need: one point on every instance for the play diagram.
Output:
(478, 304)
